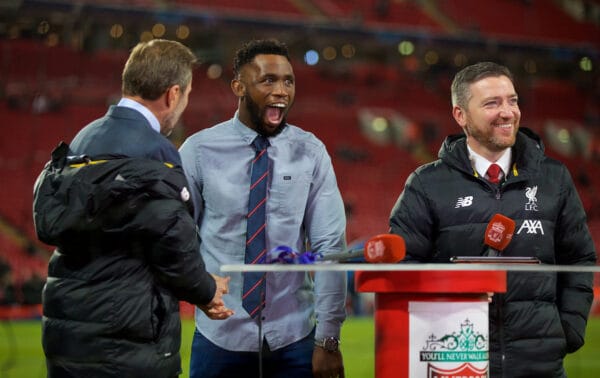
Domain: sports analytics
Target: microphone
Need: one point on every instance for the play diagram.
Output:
(383, 249)
(498, 234)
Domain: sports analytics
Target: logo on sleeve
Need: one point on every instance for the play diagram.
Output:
(185, 194)
(464, 202)
(530, 193)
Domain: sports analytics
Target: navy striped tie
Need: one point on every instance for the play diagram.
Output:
(253, 297)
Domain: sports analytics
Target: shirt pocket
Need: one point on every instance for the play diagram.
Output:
(229, 200)
(289, 192)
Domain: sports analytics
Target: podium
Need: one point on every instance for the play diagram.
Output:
(431, 323)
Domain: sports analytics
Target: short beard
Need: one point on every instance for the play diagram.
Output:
(489, 141)
(256, 119)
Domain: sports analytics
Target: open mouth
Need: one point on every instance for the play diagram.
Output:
(274, 113)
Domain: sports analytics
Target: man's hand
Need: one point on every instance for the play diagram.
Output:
(327, 364)
(216, 309)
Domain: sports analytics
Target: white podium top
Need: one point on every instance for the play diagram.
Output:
(335, 267)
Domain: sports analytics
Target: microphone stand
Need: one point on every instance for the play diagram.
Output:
(260, 334)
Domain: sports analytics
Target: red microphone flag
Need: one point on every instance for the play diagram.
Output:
(499, 232)
(385, 248)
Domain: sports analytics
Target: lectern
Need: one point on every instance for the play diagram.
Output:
(431, 323)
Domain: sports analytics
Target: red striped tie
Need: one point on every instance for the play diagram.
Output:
(253, 297)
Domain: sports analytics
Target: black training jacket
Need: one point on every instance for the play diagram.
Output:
(127, 252)
(444, 210)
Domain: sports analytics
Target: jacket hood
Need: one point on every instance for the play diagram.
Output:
(79, 195)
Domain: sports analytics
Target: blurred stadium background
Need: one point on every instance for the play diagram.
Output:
(373, 81)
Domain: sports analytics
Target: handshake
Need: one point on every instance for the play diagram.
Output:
(216, 309)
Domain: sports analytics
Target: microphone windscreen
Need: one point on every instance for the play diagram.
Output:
(499, 232)
(385, 248)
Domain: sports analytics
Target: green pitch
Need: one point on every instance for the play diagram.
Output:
(21, 353)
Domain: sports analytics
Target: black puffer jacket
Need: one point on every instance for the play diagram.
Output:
(127, 250)
(443, 212)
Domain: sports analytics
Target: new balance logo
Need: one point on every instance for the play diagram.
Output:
(532, 226)
(464, 202)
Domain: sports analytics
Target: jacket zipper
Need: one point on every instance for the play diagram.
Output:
(500, 304)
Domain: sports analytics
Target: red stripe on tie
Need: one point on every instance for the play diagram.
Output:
(253, 287)
(262, 304)
(262, 152)
(256, 233)
(260, 255)
(259, 180)
(256, 208)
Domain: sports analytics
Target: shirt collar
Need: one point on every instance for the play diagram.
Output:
(481, 164)
(129, 103)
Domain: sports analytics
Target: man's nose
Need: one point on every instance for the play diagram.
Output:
(280, 89)
(507, 110)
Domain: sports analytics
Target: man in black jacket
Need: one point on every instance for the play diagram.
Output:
(127, 248)
(446, 205)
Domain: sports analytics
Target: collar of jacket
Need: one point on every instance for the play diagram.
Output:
(528, 153)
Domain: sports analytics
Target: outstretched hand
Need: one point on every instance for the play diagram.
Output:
(216, 309)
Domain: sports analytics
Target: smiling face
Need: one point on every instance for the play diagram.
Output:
(266, 89)
(491, 117)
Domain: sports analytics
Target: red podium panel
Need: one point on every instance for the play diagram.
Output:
(393, 292)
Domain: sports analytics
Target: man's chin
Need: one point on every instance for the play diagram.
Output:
(269, 130)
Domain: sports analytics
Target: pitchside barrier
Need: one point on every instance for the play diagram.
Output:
(430, 319)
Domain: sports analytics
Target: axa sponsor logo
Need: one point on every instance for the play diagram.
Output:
(531, 226)
(464, 202)
(530, 193)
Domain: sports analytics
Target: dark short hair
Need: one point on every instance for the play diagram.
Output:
(155, 66)
(464, 78)
(255, 47)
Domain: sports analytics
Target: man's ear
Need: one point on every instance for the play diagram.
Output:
(172, 96)
(459, 115)
(238, 88)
